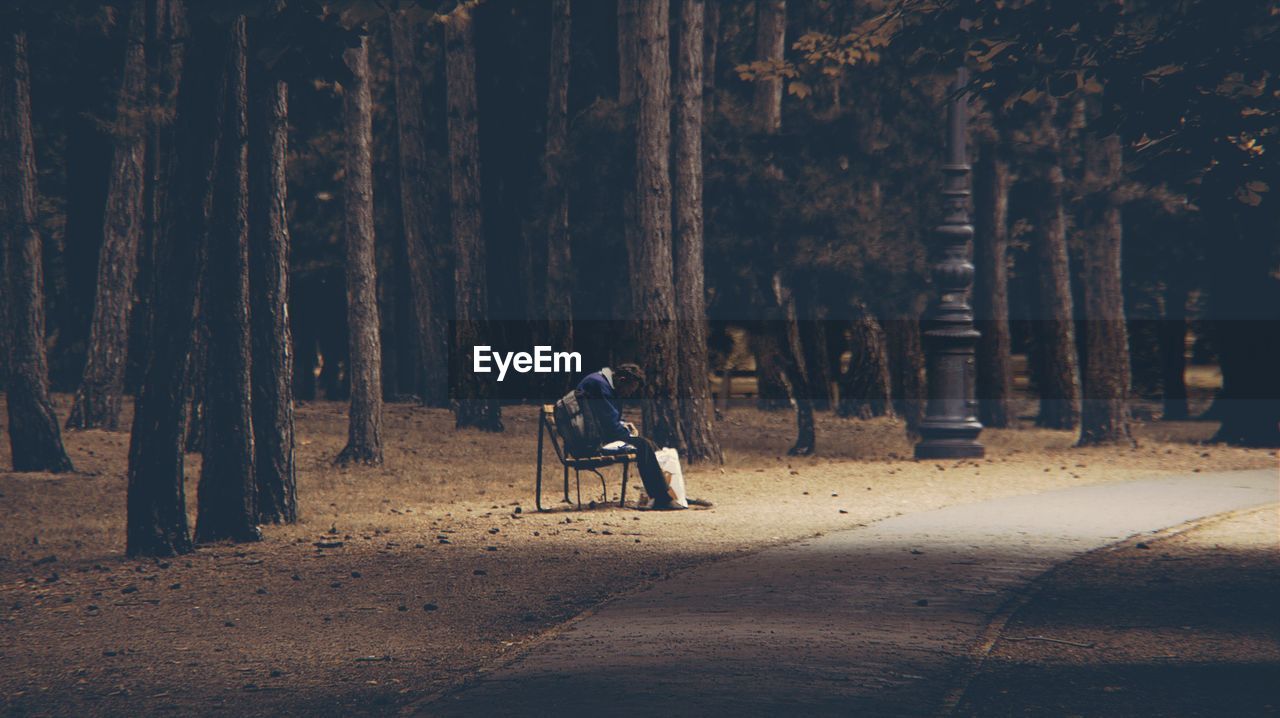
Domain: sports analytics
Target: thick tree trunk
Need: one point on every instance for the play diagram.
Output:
(157, 512)
(865, 387)
(1173, 351)
(991, 289)
(649, 248)
(771, 33)
(97, 401)
(697, 414)
(559, 289)
(474, 405)
(227, 499)
(1058, 377)
(165, 20)
(364, 428)
(274, 470)
(416, 210)
(1104, 416)
(906, 371)
(34, 438)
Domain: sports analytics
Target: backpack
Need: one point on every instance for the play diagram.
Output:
(576, 423)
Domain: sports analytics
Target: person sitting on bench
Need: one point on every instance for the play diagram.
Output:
(604, 390)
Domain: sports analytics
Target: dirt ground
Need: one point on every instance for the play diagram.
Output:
(1178, 625)
(436, 565)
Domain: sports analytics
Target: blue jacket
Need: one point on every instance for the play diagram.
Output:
(606, 406)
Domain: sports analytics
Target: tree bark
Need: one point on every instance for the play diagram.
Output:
(991, 289)
(906, 371)
(865, 387)
(97, 401)
(649, 249)
(816, 344)
(1104, 417)
(1058, 376)
(197, 360)
(1173, 352)
(227, 499)
(274, 470)
(416, 209)
(771, 33)
(157, 512)
(794, 365)
(364, 427)
(697, 413)
(34, 437)
(166, 21)
(559, 290)
(474, 405)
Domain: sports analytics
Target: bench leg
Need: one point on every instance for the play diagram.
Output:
(623, 500)
(577, 480)
(566, 485)
(537, 500)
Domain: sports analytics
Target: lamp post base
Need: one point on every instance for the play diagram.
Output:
(950, 449)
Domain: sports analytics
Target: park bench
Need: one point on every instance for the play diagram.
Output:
(593, 462)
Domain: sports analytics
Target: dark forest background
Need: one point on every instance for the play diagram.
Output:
(334, 200)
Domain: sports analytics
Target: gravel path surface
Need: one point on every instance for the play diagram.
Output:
(880, 620)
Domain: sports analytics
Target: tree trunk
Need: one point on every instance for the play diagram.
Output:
(865, 387)
(1058, 377)
(649, 248)
(364, 428)
(34, 438)
(794, 365)
(906, 371)
(1104, 417)
(710, 50)
(813, 338)
(226, 507)
(1173, 352)
(416, 209)
(197, 360)
(474, 405)
(559, 290)
(157, 512)
(165, 21)
(991, 290)
(97, 401)
(697, 414)
(771, 33)
(274, 470)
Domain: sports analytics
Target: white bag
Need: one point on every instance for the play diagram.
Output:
(669, 460)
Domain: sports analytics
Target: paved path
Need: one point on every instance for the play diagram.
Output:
(865, 622)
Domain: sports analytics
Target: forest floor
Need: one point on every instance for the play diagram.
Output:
(436, 565)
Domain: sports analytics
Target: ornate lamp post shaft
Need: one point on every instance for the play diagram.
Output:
(950, 428)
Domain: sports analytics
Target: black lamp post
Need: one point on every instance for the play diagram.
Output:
(950, 428)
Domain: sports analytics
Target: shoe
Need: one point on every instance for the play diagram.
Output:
(668, 506)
